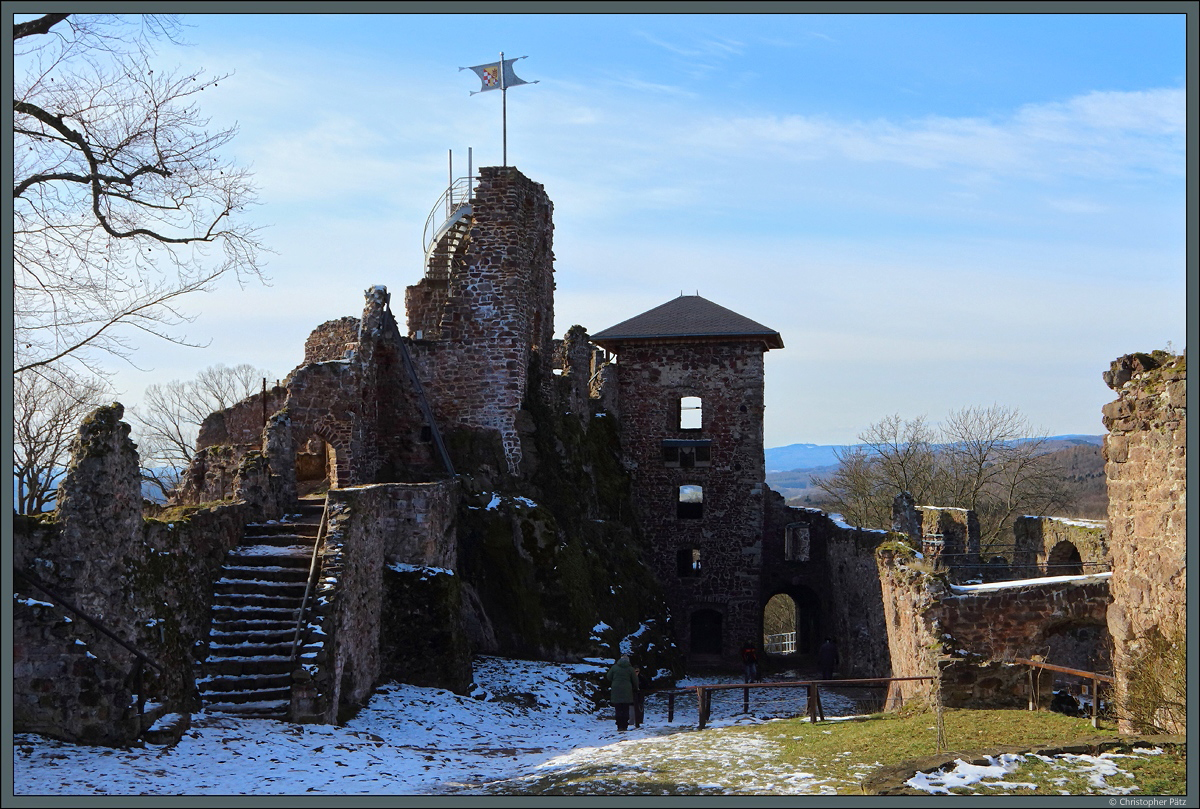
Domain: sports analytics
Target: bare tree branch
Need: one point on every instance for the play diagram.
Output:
(122, 202)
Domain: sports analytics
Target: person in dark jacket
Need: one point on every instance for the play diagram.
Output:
(827, 658)
(750, 662)
(623, 689)
(639, 699)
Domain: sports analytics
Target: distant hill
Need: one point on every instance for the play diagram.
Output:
(810, 456)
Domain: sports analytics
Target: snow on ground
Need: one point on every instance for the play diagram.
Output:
(1096, 770)
(532, 721)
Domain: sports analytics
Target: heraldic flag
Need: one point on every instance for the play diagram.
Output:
(492, 79)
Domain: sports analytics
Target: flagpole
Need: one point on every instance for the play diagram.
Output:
(503, 109)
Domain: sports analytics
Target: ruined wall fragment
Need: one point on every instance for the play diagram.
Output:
(1145, 455)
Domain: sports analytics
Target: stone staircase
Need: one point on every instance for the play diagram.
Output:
(248, 671)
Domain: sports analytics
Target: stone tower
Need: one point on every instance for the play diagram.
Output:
(690, 395)
(486, 305)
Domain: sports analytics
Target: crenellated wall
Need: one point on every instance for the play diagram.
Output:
(1145, 455)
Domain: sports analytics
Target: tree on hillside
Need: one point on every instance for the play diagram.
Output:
(981, 458)
(47, 414)
(168, 422)
(123, 204)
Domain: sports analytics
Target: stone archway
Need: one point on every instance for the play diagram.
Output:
(1064, 560)
(779, 625)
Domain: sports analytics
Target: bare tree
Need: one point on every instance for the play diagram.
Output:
(168, 422)
(123, 204)
(989, 459)
(47, 412)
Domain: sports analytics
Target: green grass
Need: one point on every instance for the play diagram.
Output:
(791, 756)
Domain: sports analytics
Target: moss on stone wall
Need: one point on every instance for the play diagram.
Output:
(427, 646)
(556, 552)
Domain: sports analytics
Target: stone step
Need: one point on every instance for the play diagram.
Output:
(242, 682)
(167, 729)
(276, 633)
(275, 541)
(284, 599)
(240, 613)
(266, 709)
(282, 693)
(242, 666)
(291, 589)
(265, 573)
(218, 651)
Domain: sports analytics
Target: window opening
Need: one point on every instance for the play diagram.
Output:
(691, 502)
(691, 413)
(686, 454)
(687, 562)
(795, 545)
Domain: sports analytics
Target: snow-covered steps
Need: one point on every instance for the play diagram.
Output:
(256, 603)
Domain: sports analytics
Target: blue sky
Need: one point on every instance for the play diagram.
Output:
(935, 211)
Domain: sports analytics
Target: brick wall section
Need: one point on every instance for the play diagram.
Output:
(1034, 538)
(836, 590)
(498, 308)
(331, 340)
(1145, 455)
(970, 635)
(728, 377)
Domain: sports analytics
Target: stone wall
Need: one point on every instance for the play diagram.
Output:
(497, 308)
(332, 340)
(950, 539)
(727, 531)
(970, 634)
(1145, 455)
(373, 528)
(365, 407)
(242, 424)
(149, 582)
(833, 582)
(1042, 547)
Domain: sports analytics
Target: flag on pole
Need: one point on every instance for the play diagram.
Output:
(491, 78)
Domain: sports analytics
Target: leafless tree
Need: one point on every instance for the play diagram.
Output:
(168, 422)
(47, 412)
(989, 459)
(123, 204)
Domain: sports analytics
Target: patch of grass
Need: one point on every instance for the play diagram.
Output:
(792, 756)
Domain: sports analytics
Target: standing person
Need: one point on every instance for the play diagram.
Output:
(623, 688)
(750, 662)
(827, 658)
(639, 700)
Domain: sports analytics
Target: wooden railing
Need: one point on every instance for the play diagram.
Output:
(815, 712)
(1090, 675)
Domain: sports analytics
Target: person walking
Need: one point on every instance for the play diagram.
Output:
(827, 658)
(750, 662)
(623, 688)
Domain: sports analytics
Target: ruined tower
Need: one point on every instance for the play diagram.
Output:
(486, 303)
(690, 395)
